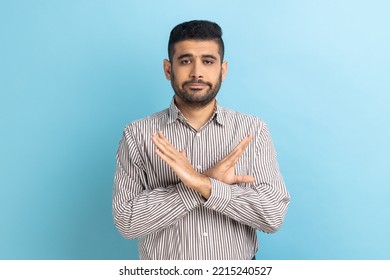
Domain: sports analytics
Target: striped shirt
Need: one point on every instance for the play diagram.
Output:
(172, 221)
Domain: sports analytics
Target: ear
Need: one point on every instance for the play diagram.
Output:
(167, 69)
(224, 70)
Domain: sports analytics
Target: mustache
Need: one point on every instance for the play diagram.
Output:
(198, 81)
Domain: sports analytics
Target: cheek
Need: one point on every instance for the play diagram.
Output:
(217, 76)
(177, 77)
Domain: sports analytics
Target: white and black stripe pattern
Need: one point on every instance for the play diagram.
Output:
(172, 221)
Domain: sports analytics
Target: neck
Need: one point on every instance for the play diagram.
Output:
(196, 116)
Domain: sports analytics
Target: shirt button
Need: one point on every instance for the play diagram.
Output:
(205, 234)
(195, 202)
(198, 134)
(199, 166)
(214, 207)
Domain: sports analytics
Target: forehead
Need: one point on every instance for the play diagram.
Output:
(196, 48)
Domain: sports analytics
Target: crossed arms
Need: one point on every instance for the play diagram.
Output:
(222, 171)
(138, 211)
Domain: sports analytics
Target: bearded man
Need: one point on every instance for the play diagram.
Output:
(195, 181)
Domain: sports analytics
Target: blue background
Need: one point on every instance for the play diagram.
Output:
(74, 73)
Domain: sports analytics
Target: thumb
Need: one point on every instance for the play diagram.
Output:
(245, 179)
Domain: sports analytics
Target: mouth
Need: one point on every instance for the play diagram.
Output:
(196, 86)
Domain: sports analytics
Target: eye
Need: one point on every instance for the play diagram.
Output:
(208, 62)
(185, 61)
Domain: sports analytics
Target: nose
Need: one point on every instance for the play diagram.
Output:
(196, 70)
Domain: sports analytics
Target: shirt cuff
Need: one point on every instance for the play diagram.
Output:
(191, 198)
(220, 197)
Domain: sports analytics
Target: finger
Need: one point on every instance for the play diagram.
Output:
(157, 142)
(164, 140)
(244, 143)
(161, 140)
(164, 157)
(164, 147)
(244, 179)
(235, 154)
(181, 167)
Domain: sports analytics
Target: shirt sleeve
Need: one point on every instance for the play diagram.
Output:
(138, 210)
(262, 204)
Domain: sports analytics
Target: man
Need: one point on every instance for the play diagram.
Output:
(196, 180)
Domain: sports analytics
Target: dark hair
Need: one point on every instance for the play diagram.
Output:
(196, 30)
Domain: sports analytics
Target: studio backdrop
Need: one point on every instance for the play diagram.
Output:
(74, 73)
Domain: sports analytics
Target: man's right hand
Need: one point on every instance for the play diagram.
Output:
(224, 170)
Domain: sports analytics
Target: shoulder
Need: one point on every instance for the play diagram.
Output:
(231, 116)
(144, 124)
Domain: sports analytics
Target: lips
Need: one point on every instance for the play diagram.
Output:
(197, 85)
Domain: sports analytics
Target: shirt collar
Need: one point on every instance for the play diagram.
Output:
(175, 114)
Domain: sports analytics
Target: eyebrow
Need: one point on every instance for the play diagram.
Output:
(191, 55)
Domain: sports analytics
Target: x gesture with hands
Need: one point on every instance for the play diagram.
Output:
(222, 171)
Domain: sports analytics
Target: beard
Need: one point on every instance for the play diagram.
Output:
(196, 98)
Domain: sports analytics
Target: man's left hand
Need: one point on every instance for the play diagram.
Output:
(179, 163)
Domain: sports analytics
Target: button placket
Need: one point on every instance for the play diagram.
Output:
(196, 151)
